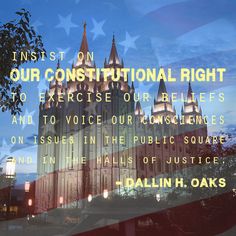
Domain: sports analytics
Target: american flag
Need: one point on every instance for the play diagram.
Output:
(169, 33)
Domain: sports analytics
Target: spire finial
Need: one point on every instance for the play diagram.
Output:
(114, 58)
(58, 63)
(84, 44)
(190, 91)
(85, 24)
(132, 85)
(189, 85)
(105, 61)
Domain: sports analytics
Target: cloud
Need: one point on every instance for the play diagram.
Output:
(143, 8)
(215, 37)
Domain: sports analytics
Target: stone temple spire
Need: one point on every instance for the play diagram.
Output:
(138, 109)
(191, 107)
(162, 107)
(190, 91)
(161, 90)
(83, 59)
(84, 44)
(115, 63)
(114, 58)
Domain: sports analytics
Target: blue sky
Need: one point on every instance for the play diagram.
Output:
(171, 33)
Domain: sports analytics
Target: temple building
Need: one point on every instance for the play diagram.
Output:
(63, 178)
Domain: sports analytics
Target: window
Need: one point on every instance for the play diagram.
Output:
(72, 156)
(71, 124)
(70, 159)
(105, 143)
(105, 160)
(124, 160)
(125, 138)
(104, 115)
(104, 182)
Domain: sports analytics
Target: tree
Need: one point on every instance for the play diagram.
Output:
(16, 36)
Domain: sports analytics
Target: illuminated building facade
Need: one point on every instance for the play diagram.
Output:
(62, 177)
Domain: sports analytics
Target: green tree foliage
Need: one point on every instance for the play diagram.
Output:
(15, 36)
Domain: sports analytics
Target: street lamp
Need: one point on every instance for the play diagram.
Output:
(105, 193)
(27, 186)
(61, 200)
(158, 197)
(10, 175)
(90, 197)
(10, 168)
(27, 189)
(30, 202)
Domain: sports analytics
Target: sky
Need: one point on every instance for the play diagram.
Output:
(169, 33)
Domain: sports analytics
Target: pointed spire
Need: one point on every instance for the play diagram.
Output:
(132, 85)
(51, 84)
(200, 111)
(113, 58)
(190, 91)
(58, 64)
(84, 44)
(138, 106)
(105, 62)
(161, 90)
(59, 74)
(46, 95)
(138, 109)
